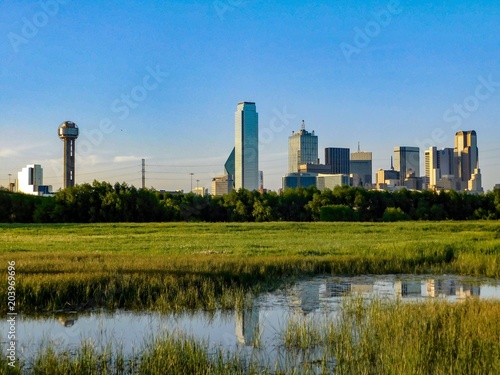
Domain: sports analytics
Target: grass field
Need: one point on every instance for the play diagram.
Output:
(209, 266)
(213, 266)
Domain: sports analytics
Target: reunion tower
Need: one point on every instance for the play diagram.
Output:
(68, 132)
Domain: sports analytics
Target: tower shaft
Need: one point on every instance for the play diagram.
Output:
(68, 133)
(69, 162)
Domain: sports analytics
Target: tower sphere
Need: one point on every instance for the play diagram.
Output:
(67, 130)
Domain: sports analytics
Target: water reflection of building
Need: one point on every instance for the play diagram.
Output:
(407, 289)
(440, 288)
(336, 290)
(247, 325)
(466, 291)
(343, 289)
(67, 320)
(445, 288)
(305, 297)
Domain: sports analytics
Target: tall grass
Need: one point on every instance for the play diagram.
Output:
(408, 338)
(377, 337)
(210, 266)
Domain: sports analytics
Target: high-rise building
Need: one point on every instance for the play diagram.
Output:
(387, 178)
(466, 154)
(431, 166)
(68, 132)
(30, 181)
(229, 168)
(339, 160)
(246, 155)
(222, 185)
(407, 161)
(438, 164)
(361, 167)
(302, 149)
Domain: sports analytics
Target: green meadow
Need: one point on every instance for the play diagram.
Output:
(177, 266)
(186, 266)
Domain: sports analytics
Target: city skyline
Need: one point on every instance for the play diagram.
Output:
(461, 172)
(159, 81)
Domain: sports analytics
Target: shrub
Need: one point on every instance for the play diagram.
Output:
(338, 212)
(394, 214)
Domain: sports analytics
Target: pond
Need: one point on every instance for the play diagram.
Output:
(310, 298)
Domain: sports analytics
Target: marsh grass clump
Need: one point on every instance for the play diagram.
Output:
(166, 354)
(434, 337)
(301, 333)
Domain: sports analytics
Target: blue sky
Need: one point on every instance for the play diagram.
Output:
(161, 80)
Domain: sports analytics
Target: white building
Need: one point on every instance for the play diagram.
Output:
(222, 185)
(438, 164)
(30, 181)
(199, 190)
(246, 174)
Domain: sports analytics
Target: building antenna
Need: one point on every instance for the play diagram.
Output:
(392, 165)
(359, 149)
(303, 125)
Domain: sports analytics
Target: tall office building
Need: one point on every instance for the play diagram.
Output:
(302, 149)
(361, 167)
(406, 160)
(431, 167)
(30, 181)
(438, 164)
(466, 154)
(339, 160)
(246, 156)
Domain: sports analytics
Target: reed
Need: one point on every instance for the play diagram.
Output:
(302, 334)
(378, 337)
(417, 338)
(210, 266)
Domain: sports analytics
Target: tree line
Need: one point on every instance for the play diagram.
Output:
(103, 202)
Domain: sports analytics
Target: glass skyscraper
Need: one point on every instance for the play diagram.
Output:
(339, 160)
(246, 147)
(406, 160)
(361, 166)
